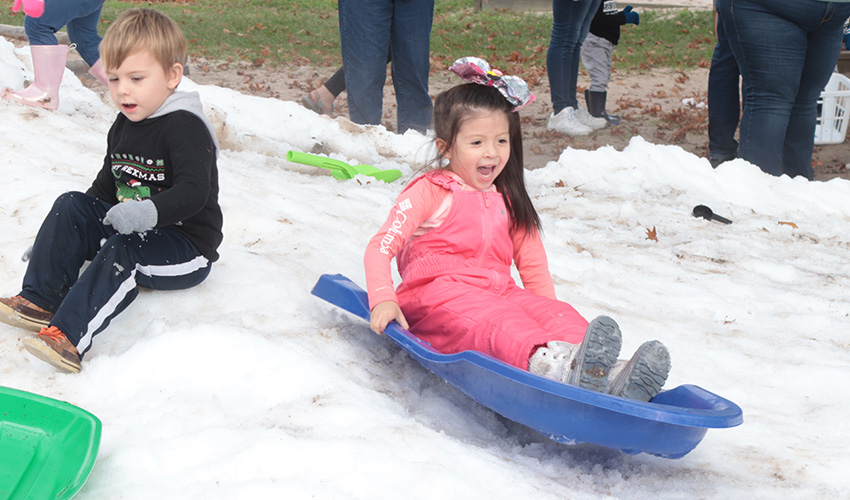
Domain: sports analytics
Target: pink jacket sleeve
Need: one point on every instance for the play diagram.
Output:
(414, 205)
(532, 264)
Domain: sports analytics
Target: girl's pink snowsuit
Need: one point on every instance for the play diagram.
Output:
(457, 292)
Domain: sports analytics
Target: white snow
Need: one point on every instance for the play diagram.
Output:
(247, 386)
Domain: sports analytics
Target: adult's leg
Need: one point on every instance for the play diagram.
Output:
(411, 62)
(364, 29)
(724, 105)
(336, 83)
(158, 259)
(823, 48)
(770, 48)
(571, 21)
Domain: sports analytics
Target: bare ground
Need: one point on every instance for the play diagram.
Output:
(662, 106)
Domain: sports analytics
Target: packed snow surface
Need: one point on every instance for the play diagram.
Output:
(247, 386)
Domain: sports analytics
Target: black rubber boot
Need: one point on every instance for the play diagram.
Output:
(596, 106)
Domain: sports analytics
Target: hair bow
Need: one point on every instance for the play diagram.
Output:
(477, 70)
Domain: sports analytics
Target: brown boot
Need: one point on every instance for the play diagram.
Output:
(52, 346)
(20, 312)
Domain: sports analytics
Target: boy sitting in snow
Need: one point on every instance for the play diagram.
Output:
(150, 218)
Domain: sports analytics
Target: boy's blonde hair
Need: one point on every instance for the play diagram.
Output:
(143, 29)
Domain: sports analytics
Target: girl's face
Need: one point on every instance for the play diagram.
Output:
(480, 150)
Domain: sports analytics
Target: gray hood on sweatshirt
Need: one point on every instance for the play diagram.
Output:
(191, 102)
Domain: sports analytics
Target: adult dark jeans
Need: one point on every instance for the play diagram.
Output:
(80, 17)
(571, 22)
(724, 104)
(369, 30)
(786, 50)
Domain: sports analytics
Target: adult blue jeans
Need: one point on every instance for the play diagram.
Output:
(369, 30)
(73, 233)
(570, 24)
(724, 105)
(786, 50)
(80, 17)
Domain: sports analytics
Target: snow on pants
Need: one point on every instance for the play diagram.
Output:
(489, 313)
(84, 304)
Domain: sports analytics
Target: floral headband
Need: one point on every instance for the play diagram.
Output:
(477, 70)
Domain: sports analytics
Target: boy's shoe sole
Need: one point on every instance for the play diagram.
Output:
(597, 354)
(11, 314)
(645, 373)
(39, 348)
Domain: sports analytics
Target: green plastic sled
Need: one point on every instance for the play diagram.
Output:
(47, 447)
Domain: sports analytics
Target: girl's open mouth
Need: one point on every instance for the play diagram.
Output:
(485, 171)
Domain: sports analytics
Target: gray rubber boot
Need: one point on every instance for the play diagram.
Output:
(597, 355)
(644, 375)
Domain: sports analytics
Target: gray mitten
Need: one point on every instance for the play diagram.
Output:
(132, 216)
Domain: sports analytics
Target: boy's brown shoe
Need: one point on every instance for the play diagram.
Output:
(20, 312)
(52, 346)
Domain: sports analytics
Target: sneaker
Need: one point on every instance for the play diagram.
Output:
(596, 356)
(20, 312)
(568, 123)
(593, 122)
(52, 346)
(642, 376)
(553, 361)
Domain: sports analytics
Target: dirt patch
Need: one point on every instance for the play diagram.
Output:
(663, 106)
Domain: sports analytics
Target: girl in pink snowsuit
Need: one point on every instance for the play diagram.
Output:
(455, 232)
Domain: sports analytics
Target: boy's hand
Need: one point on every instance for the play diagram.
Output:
(132, 216)
(32, 8)
(385, 312)
(632, 17)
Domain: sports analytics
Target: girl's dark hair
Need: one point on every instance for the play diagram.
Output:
(456, 105)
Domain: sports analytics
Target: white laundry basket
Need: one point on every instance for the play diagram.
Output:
(833, 105)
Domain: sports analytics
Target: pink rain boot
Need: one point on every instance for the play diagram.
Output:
(98, 71)
(48, 63)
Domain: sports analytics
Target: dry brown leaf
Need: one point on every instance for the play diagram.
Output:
(651, 234)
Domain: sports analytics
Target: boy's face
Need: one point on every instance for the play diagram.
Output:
(140, 85)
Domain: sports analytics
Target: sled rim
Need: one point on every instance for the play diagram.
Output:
(47, 447)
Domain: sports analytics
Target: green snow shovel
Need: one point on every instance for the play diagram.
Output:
(47, 447)
(341, 170)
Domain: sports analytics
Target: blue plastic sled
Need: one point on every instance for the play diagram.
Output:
(670, 426)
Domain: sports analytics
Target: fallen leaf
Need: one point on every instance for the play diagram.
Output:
(651, 234)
